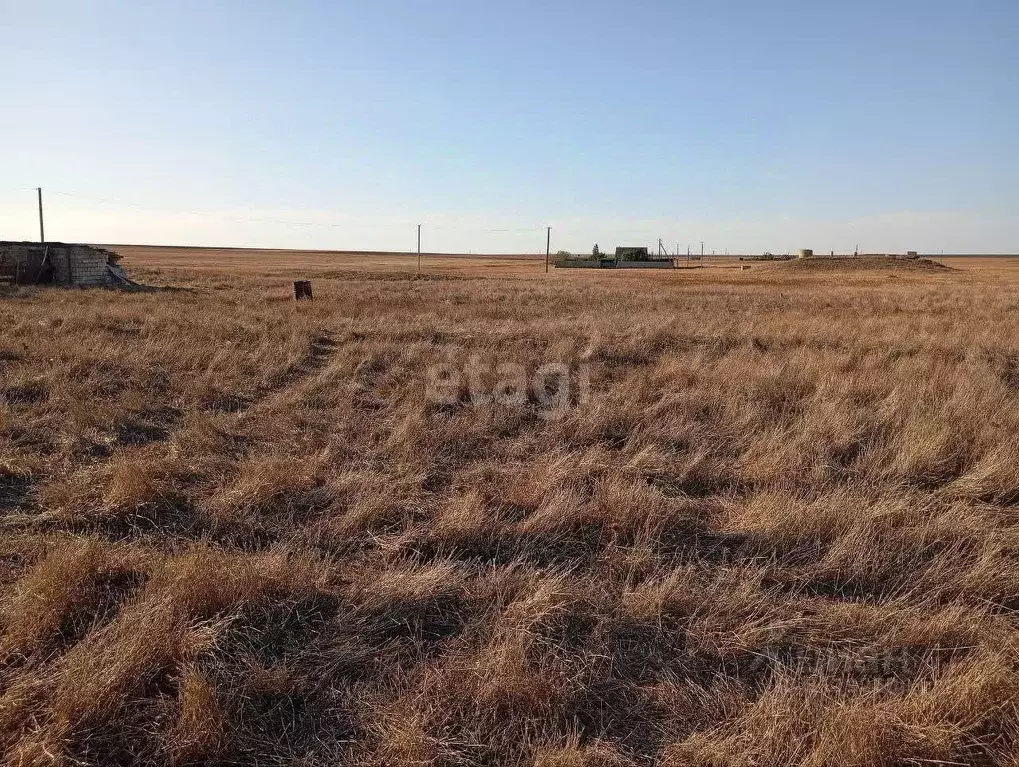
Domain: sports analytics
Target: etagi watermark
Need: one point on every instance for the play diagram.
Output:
(552, 388)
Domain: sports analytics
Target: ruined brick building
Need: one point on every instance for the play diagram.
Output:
(58, 263)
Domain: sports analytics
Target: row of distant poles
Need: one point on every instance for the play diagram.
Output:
(548, 246)
(548, 238)
(548, 234)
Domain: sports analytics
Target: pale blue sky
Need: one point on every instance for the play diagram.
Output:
(749, 125)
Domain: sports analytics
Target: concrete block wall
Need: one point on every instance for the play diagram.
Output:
(61, 258)
(23, 260)
(88, 267)
(645, 265)
(72, 264)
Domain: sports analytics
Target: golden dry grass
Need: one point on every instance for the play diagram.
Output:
(783, 528)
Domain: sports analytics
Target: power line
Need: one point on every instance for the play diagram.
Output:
(203, 214)
(289, 222)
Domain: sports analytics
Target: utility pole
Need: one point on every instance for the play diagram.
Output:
(42, 231)
(702, 248)
(548, 246)
(419, 248)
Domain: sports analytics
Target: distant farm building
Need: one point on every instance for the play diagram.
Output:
(58, 263)
(625, 257)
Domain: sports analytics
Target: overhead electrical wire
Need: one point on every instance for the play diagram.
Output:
(286, 222)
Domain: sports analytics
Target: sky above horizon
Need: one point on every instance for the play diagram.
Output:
(749, 126)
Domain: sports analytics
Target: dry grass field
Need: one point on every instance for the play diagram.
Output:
(775, 522)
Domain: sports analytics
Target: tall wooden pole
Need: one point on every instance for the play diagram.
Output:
(419, 248)
(42, 231)
(548, 246)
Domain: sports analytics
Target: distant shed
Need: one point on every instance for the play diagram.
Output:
(59, 263)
